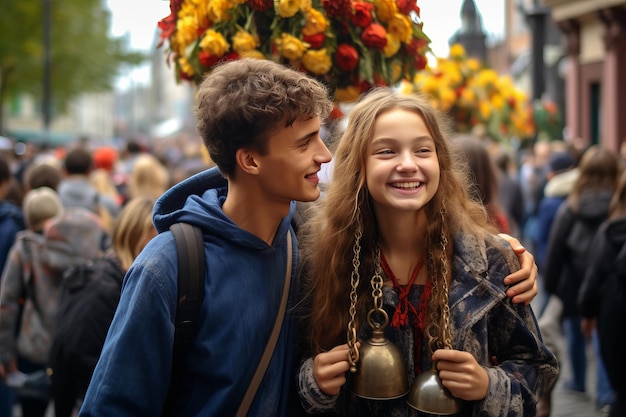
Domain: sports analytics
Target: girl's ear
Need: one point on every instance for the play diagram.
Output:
(246, 159)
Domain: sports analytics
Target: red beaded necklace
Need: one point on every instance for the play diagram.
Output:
(404, 308)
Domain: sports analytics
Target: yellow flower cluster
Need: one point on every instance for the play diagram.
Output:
(348, 44)
(474, 95)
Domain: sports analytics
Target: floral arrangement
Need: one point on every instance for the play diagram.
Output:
(350, 45)
(548, 120)
(475, 97)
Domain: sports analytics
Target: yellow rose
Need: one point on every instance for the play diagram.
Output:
(497, 102)
(244, 41)
(467, 96)
(290, 47)
(473, 64)
(485, 109)
(385, 9)
(286, 8)
(197, 10)
(317, 61)
(185, 66)
(305, 5)
(315, 23)
(400, 26)
(447, 97)
(214, 43)
(186, 31)
(218, 10)
(457, 51)
(347, 94)
(253, 53)
(392, 47)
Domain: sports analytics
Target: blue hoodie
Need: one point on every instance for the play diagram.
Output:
(243, 288)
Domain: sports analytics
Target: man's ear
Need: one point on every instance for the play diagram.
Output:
(246, 159)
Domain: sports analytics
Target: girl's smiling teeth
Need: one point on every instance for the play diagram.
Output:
(412, 184)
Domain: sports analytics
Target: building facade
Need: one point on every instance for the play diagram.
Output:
(595, 41)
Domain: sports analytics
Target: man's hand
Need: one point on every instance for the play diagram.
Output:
(524, 281)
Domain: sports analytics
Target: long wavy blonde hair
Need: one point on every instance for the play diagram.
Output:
(328, 237)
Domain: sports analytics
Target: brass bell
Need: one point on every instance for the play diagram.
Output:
(381, 374)
(428, 395)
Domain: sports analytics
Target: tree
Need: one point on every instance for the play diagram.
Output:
(84, 58)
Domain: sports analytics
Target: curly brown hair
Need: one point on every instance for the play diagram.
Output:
(240, 103)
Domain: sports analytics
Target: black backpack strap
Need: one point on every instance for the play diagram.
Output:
(191, 271)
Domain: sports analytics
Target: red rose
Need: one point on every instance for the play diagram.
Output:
(337, 8)
(184, 76)
(347, 57)
(407, 6)
(374, 36)
(419, 62)
(231, 56)
(316, 41)
(207, 59)
(362, 15)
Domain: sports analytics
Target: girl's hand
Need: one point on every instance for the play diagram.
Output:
(461, 374)
(329, 369)
(525, 279)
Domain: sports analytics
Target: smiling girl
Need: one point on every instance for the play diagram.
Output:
(398, 208)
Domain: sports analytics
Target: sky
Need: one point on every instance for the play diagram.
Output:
(441, 19)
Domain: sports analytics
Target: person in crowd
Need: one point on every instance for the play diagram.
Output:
(398, 225)
(148, 177)
(85, 319)
(598, 296)
(510, 190)
(42, 174)
(11, 222)
(75, 189)
(483, 179)
(569, 243)
(561, 174)
(104, 175)
(11, 216)
(23, 340)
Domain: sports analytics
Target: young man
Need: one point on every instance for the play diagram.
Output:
(261, 124)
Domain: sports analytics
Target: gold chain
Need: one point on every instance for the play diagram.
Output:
(353, 358)
(445, 315)
(377, 283)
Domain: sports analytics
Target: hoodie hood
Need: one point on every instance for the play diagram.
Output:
(198, 201)
(561, 184)
(593, 205)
